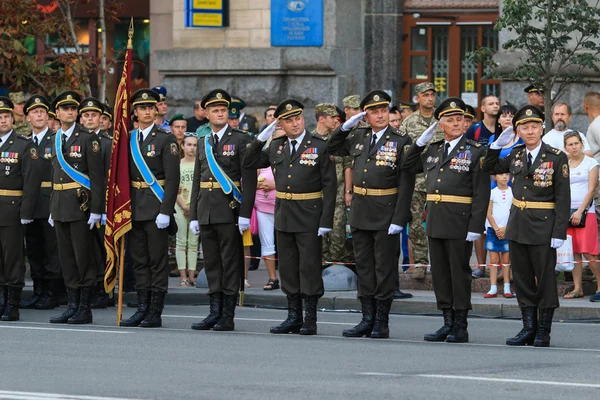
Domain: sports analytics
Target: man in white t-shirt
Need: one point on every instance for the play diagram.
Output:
(561, 115)
(591, 105)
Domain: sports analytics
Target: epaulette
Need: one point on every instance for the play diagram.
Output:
(555, 150)
(436, 142)
(107, 136)
(397, 132)
(161, 130)
(24, 137)
(473, 143)
(519, 145)
(279, 138)
(238, 130)
(322, 138)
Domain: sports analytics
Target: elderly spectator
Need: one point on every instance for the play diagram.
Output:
(561, 115)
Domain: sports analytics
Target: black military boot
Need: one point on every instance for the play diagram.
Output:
(100, 298)
(84, 311)
(365, 326)
(3, 296)
(459, 332)
(38, 289)
(381, 329)
(542, 336)
(153, 319)
(11, 313)
(143, 302)
(226, 322)
(216, 309)
(309, 327)
(73, 296)
(441, 334)
(48, 301)
(293, 323)
(527, 334)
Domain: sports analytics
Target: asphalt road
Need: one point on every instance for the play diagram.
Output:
(101, 361)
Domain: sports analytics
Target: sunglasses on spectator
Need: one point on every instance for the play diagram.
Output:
(188, 134)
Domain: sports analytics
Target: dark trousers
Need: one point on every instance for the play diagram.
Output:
(12, 263)
(42, 250)
(451, 273)
(99, 253)
(300, 263)
(149, 247)
(376, 262)
(223, 257)
(75, 243)
(531, 262)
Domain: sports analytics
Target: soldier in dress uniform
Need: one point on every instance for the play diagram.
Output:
(535, 96)
(90, 113)
(21, 125)
(76, 206)
(154, 171)
(306, 187)
(538, 220)
(53, 122)
(379, 209)
(19, 189)
(458, 194)
(106, 120)
(40, 237)
(248, 122)
(220, 214)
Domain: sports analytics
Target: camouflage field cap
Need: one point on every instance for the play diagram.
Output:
(326, 108)
(352, 101)
(423, 87)
(17, 97)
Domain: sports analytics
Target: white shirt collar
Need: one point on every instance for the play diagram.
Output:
(40, 135)
(69, 131)
(221, 132)
(378, 134)
(534, 153)
(453, 143)
(146, 132)
(3, 138)
(299, 140)
(242, 115)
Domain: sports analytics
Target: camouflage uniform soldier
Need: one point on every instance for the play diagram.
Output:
(414, 125)
(352, 107)
(21, 126)
(335, 245)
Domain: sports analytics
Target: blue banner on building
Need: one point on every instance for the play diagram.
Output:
(296, 22)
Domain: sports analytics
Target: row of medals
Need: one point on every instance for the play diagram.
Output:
(460, 164)
(542, 177)
(308, 158)
(386, 158)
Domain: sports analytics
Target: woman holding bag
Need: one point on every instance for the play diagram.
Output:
(583, 226)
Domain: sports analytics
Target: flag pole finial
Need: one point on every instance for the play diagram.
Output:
(129, 42)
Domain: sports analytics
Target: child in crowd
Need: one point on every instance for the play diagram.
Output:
(496, 242)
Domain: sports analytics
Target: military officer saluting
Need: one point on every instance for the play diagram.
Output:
(458, 194)
(154, 170)
(538, 220)
(222, 200)
(306, 186)
(19, 189)
(40, 237)
(76, 206)
(379, 208)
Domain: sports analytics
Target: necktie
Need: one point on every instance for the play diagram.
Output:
(294, 143)
(373, 142)
(141, 138)
(35, 140)
(216, 141)
(529, 161)
(446, 150)
(64, 139)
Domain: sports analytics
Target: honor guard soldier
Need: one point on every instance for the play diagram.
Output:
(306, 190)
(154, 171)
(106, 121)
(76, 206)
(19, 189)
(40, 237)
(538, 220)
(458, 193)
(248, 122)
(379, 208)
(90, 114)
(221, 206)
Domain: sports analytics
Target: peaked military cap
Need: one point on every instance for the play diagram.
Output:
(162, 92)
(405, 105)
(375, 99)
(236, 107)
(526, 114)
(144, 96)
(108, 111)
(240, 104)
(469, 111)
(6, 104)
(288, 108)
(352, 101)
(217, 97)
(35, 101)
(450, 106)
(327, 108)
(67, 98)
(91, 104)
(533, 88)
(52, 113)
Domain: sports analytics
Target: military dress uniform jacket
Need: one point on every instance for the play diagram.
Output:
(376, 169)
(310, 170)
(546, 181)
(19, 161)
(82, 151)
(460, 175)
(45, 152)
(211, 205)
(161, 153)
(249, 123)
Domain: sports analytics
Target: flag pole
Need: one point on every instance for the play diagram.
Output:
(121, 273)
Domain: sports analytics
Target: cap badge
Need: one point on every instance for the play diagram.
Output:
(453, 104)
(69, 97)
(376, 97)
(90, 103)
(288, 107)
(219, 96)
(37, 100)
(144, 96)
(233, 110)
(528, 113)
(1, 104)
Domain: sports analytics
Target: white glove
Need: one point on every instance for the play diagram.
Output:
(26, 221)
(51, 221)
(556, 243)
(394, 229)
(471, 237)
(427, 135)
(94, 219)
(243, 224)
(162, 221)
(103, 220)
(268, 131)
(195, 227)
(353, 121)
(505, 138)
(323, 231)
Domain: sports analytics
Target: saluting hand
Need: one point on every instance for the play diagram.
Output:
(427, 135)
(268, 131)
(353, 121)
(505, 138)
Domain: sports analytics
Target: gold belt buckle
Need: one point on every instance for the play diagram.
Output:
(437, 198)
(522, 205)
(288, 196)
(363, 191)
(59, 186)
(210, 185)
